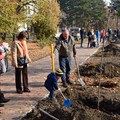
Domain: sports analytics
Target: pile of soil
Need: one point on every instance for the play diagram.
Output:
(99, 100)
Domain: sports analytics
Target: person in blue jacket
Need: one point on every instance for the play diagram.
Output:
(51, 83)
(98, 37)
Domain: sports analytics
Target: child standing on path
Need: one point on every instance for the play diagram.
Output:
(51, 83)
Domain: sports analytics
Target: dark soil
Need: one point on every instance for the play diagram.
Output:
(99, 100)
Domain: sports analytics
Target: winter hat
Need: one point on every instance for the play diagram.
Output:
(59, 72)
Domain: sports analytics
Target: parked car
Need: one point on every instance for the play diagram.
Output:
(75, 32)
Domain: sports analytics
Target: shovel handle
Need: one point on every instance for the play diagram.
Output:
(52, 56)
(79, 79)
(77, 67)
(62, 93)
(48, 114)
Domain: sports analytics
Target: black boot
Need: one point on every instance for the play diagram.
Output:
(3, 99)
(1, 105)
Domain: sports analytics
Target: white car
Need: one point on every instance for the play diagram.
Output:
(75, 32)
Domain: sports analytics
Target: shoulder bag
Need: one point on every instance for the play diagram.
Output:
(22, 61)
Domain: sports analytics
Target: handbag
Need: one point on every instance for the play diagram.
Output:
(22, 61)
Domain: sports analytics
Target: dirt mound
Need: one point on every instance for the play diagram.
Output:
(109, 69)
(109, 50)
(84, 106)
(99, 100)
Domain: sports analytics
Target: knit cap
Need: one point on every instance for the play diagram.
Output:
(59, 72)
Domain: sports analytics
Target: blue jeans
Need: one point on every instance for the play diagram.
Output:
(98, 41)
(3, 66)
(51, 90)
(51, 94)
(65, 66)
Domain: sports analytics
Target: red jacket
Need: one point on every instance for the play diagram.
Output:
(103, 33)
(1, 56)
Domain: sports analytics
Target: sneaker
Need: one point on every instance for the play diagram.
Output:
(54, 99)
(51, 99)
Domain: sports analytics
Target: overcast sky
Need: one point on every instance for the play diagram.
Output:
(107, 1)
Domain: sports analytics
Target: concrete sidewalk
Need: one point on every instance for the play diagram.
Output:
(20, 104)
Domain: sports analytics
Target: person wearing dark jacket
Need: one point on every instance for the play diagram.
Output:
(82, 35)
(65, 45)
(89, 34)
(2, 99)
(51, 82)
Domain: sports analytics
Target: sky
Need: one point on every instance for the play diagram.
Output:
(107, 1)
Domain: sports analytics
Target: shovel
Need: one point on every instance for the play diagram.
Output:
(67, 102)
(48, 114)
(79, 79)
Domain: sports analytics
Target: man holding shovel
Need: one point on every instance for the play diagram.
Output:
(65, 46)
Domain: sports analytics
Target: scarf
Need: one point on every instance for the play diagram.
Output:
(23, 45)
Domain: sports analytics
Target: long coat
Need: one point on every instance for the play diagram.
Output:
(17, 51)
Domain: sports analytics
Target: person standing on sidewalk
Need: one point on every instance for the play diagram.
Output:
(19, 50)
(2, 99)
(3, 70)
(65, 46)
(103, 35)
(98, 37)
(82, 35)
(2, 60)
(89, 34)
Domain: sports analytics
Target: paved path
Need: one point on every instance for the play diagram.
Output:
(20, 104)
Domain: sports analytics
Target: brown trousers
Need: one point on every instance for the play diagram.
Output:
(21, 73)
